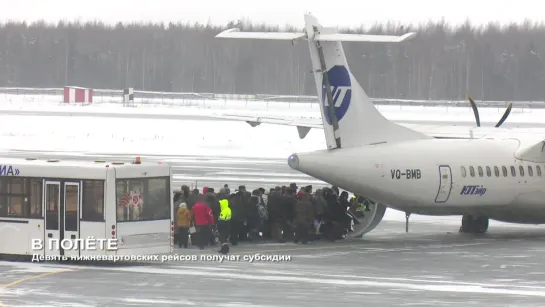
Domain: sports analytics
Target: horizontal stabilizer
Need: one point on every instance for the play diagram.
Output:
(333, 37)
(235, 33)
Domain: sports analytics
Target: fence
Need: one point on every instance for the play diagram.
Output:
(201, 99)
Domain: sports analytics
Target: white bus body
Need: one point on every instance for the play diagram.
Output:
(52, 199)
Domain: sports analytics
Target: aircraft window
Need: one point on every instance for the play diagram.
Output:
(530, 171)
(471, 171)
(538, 169)
(521, 170)
(464, 173)
(504, 171)
(488, 172)
(480, 169)
(513, 171)
(496, 171)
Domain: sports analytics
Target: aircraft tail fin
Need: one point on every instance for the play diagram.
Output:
(349, 117)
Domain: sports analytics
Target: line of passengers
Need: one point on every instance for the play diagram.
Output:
(280, 214)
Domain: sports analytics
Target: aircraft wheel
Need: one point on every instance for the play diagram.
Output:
(467, 224)
(481, 224)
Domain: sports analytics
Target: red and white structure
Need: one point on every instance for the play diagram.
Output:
(78, 94)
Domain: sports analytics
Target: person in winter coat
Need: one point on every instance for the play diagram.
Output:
(304, 216)
(319, 204)
(288, 213)
(224, 221)
(177, 201)
(203, 219)
(274, 210)
(183, 222)
(253, 221)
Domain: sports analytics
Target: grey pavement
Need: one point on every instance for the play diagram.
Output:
(432, 265)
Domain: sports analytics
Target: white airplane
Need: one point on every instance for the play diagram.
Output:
(481, 174)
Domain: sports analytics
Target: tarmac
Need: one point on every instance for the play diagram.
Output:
(432, 265)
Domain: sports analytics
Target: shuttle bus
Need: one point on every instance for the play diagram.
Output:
(53, 200)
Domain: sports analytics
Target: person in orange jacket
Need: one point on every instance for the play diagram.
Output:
(183, 218)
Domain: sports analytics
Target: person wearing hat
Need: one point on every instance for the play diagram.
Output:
(183, 219)
(224, 222)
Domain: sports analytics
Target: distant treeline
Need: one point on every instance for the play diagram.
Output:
(490, 62)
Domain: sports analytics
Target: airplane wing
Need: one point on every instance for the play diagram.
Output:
(435, 130)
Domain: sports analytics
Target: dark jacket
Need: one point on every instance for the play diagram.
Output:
(304, 211)
(213, 203)
(288, 207)
(274, 206)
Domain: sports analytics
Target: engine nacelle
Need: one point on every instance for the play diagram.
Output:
(369, 221)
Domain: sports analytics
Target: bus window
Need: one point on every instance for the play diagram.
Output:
(71, 202)
(13, 197)
(143, 199)
(93, 201)
(36, 191)
(52, 207)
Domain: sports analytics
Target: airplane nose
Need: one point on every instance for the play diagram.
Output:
(293, 161)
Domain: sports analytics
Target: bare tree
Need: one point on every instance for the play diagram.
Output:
(442, 62)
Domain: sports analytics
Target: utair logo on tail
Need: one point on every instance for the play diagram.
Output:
(341, 92)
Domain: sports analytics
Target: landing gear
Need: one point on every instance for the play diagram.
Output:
(474, 224)
(407, 215)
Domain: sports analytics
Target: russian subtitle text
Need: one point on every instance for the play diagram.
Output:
(163, 258)
(86, 244)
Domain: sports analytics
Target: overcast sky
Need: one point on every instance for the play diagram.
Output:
(330, 13)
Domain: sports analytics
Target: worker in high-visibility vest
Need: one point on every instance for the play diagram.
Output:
(224, 223)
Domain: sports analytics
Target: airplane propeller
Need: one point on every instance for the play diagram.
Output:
(476, 112)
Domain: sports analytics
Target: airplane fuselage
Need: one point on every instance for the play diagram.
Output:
(438, 177)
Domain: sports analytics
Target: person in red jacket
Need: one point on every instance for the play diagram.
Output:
(204, 219)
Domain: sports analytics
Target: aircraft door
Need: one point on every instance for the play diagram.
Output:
(71, 218)
(52, 200)
(445, 184)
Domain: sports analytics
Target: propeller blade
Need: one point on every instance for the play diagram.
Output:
(505, 115)
(475, 110)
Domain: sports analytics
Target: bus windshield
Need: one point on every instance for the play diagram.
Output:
(143, 199)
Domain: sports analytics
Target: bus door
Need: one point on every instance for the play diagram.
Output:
(52, 201)
(62, 205)
(71, 214)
